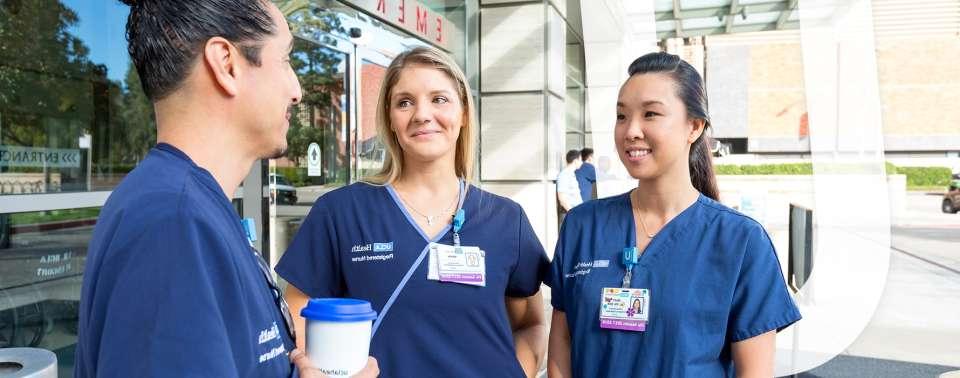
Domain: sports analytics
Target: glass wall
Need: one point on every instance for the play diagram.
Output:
(340, 57)
(320, 118)
(575, 95)
(73, 119)
(455, 11)
(42, 255)
(72, 114)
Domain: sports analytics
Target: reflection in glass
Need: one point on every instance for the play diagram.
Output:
(321, 118)
(370, 149)
(67, 123)
(42, 256)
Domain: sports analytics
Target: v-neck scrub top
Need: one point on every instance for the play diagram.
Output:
(713, 276)
(358, 241)
(172, 287)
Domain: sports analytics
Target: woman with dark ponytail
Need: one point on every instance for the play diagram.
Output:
(707, 278)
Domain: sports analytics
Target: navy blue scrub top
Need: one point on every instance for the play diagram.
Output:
(586, 177)
(172, 287)
(358, 242)
(713, 276)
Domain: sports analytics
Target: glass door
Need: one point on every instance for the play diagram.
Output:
(340, 57)
(319, 143)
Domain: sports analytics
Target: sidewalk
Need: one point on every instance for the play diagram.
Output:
(915, 328)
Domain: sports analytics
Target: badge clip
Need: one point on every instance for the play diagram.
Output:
(630, 258)
(458, 220)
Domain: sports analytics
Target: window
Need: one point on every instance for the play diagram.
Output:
(42, 256)
(73, 119)
(73, 116)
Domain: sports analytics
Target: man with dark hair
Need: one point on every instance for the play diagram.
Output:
(172, 285)
(586, 174)
(568, 192)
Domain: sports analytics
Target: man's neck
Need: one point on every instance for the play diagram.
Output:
(211, 142)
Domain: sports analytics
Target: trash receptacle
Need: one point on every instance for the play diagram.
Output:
(27, 363)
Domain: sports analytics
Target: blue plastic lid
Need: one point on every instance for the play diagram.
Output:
(338, 310)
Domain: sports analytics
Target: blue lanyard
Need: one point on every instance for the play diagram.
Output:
(250, 229)
(458, 219)
(630, 257)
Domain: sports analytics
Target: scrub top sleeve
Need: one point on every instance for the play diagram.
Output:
(311, 262)
(761, 302)
(531, 263)
(555, 274)
(166, 306)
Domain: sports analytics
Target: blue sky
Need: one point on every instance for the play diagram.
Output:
(101, 26)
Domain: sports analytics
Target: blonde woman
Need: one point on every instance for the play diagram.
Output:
(452, 270)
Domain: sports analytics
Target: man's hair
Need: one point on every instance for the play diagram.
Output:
(165, 37)
(586, 153)
(572, 156)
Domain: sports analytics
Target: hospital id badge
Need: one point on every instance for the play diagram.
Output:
(465, 265)
(625, 309)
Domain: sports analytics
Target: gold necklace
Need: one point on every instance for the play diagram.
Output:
(429, 218)
(643, 225)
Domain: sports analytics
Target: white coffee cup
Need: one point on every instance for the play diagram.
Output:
(338, 334)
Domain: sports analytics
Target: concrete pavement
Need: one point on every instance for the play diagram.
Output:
(916, 326)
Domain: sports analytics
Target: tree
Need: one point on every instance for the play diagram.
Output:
(320, 71)
(51, 93)
(44, 74)
(136, 120)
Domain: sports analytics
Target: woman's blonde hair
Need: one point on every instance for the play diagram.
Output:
(466, 143)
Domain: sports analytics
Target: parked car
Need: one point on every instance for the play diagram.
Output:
(281, 192)
(951, 199)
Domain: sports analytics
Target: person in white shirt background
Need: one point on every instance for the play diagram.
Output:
(568, 191)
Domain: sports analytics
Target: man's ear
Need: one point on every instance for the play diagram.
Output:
(223, 60)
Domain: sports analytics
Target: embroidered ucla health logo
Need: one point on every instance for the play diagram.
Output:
(584, 267)
(382, 252)
(269, 334)
(372, 247)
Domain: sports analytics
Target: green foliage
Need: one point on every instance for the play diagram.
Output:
(926, 176)
(890, 168)
(53, 216)
(46, 78)
(295, 175)
(134, 127)
(917, 177)
(765, 169)
(320, 115)
(51, 93)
